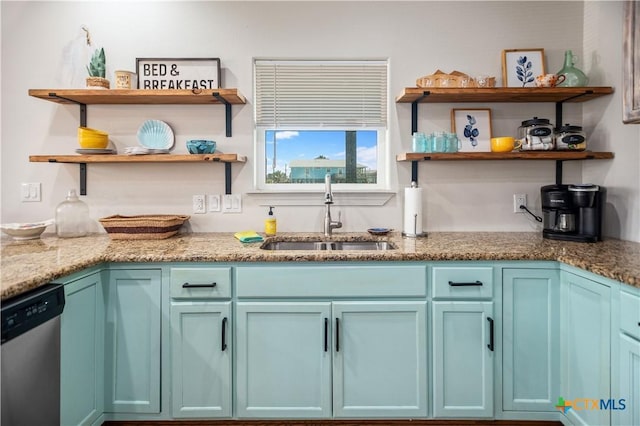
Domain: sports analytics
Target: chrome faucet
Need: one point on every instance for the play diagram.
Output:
(329, 225)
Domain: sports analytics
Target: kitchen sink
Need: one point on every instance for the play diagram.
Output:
(328, 245)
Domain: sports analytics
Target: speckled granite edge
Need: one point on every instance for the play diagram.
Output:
(29, 264)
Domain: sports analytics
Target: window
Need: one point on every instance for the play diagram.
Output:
(318, 117)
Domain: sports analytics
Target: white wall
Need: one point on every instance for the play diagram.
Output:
(417, 37)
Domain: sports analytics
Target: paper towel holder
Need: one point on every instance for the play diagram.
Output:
(414, 184)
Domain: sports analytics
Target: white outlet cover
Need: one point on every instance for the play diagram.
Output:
(199, 206)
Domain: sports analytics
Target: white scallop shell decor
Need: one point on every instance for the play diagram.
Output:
(155, 134)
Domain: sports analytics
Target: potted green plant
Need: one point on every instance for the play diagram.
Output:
(97, 69)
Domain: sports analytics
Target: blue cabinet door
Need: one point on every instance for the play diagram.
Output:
(283, 365)
(463, 359)
(380, 360)
(585, 347)
(132, 344)
(82, 352)
(629, 382)
(531, 339)
(201, 359)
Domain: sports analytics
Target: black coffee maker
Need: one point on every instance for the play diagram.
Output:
(573, 212)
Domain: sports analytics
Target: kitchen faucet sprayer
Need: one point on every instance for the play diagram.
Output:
(329, 224)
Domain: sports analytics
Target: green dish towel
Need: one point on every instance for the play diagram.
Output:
(248, 236)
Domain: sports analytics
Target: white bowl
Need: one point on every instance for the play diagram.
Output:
(25, 231)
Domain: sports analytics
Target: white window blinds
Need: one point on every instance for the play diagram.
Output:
(320, 93)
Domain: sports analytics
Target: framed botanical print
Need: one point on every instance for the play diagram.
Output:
(520, 67)
(473, 128)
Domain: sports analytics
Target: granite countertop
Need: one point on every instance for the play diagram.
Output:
(28, 264)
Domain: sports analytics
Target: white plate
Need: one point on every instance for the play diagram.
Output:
(90, 151)
(155, 134)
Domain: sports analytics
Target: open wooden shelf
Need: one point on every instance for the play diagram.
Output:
(142, 97)
(156, 158)
(516, 155)
(83, 160)
(84, 97)
(501, 94)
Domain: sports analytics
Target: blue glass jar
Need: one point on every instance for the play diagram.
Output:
(419, 142)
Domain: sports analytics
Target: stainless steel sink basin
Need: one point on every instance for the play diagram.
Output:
(327, 245)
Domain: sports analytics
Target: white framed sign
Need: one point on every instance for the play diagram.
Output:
(178, 73)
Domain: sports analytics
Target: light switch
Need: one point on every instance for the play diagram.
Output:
(232, 203)
(30, 192)
(213, 201)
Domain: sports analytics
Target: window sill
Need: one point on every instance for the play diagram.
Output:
(316, 198)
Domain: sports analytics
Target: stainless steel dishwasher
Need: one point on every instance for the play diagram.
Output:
(30, 357)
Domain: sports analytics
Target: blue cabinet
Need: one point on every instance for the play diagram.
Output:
(285, 352)
(585, 347)
(530, 339)
(132, 343)
(201, 359)
(463, 339)
(625, 380)
(82, 351)
(463, 359)
(380, 360)
(283, 365)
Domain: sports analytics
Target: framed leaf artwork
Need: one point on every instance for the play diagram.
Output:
(520, 67)
(473, 127)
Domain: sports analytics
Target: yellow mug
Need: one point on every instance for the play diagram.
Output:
(505, 144)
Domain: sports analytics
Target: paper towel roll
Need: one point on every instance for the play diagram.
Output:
(412, 211)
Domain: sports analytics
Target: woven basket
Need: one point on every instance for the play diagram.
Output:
(142, 227)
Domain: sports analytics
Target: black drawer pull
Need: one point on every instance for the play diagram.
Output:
(470, 284)
(187, 285)
(337, 334)
(224, 334)
(490, 345)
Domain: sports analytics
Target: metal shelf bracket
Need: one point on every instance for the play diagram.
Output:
(559, 104)
(227, 112)
(414, 111)
(83, 108)
(83, 178)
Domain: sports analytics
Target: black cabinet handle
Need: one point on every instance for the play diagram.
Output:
(224, 334)
(326, 334)
(490, 345)
(187, 285)
(470, 284)
(337, 334)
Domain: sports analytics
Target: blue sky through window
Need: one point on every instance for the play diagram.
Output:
(309, 144)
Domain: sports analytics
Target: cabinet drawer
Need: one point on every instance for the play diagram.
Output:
(462, 282)
(201, 283)
(332, 281)
(630, 314)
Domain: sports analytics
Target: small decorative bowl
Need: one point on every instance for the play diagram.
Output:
(201, 146)
(25, 231)
(92, 138)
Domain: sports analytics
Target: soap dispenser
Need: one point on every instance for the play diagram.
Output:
(270, 224)
(72, 217)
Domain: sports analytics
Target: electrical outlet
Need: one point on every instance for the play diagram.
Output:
(30, 192)
(199, 206)
(519, 200)
(231, 203)
(213, 201)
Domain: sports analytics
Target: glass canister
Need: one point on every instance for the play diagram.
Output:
(72, 217)
(536, 135)
(571, 138)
